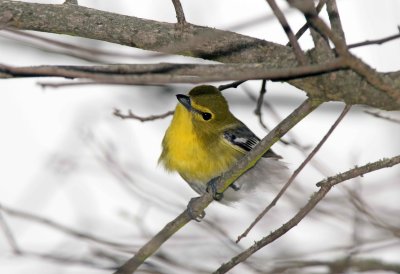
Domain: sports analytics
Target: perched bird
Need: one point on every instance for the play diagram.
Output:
(205, 140)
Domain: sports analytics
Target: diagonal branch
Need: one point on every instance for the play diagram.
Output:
(199, 204)
(301, 58)
(295, 173)
(325, 186)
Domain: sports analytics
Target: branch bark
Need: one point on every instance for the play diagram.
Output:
(195, 41)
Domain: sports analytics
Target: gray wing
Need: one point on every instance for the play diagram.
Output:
(246, 140)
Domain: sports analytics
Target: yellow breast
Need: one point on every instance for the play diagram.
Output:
(194, 159)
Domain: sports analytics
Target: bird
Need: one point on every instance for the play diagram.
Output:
(204, 140)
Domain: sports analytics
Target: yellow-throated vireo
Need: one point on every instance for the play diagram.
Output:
(205, 140)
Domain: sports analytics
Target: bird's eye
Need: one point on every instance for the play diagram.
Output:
(206, 116)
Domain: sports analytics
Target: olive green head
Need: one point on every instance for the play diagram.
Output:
(209, 109)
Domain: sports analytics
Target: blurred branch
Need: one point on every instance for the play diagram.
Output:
(295, 173)
(373, 218)
(216, 45)
(341, 265)
(69, 260)
(325, 186)
(131, 115)
(378, 115)
(62, 228)
(197, 205)
(9, 235)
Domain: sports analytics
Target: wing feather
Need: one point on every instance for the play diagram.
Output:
(243, 138)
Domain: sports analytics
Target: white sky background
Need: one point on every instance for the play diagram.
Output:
(51, 140)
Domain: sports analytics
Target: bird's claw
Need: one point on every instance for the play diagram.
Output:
(193, 213)
(212, 188)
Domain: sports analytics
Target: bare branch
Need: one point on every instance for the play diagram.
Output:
(378, 115)
(231, 85)
(60, 227)
(375, 79)
(88, 51)
(305, 27)
(295, 173)
(259, 105)
(9, 235)
(171, 73)
(301, 58)
(334, 19)
(325, 186)
(180, 15)
(217, 45)
(70, 2)
(131, 115)
(374, 42)
(341, 265)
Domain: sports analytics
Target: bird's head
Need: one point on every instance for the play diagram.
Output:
(208, 108)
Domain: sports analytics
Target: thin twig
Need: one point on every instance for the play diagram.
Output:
(295, 173)
(325, 186)
(378, 115)
(60, 227)
(334, 18)
(131, 115)
(260, 101)
(70, 2)
(374, 42)
(305, 27)
(180, 15)
(231, 85)
(9, 235)
(300, 56)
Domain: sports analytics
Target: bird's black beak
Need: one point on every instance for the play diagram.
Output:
(185, 101)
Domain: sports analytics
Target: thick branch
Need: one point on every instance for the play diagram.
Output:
(195, 41)
(171, 73)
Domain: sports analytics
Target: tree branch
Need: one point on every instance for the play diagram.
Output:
(325, 186)
(180, 15)
(216, 45)
(131, 115)
(300, 56)
(295, 173)
(171, 73)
